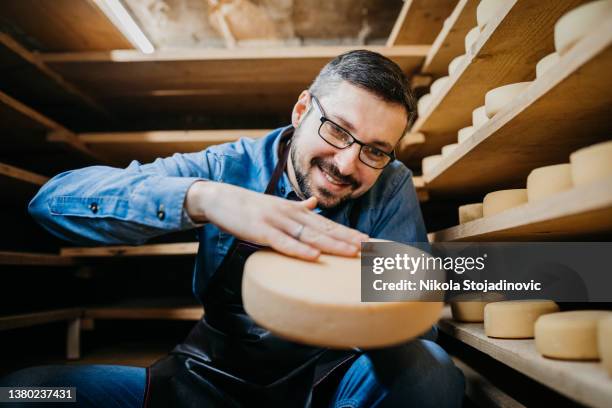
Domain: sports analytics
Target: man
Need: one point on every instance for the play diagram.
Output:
(304, 189)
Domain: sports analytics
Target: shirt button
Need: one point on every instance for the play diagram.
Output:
(161, 214)
(93, 207)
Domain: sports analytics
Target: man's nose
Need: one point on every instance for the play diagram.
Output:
(347, 159)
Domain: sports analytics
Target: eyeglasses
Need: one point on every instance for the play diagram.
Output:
(340, 138)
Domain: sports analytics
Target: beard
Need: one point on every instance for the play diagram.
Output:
(326, 199)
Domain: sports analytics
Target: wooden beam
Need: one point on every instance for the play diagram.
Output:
(192, 313)
(420, 21)
(17, 184)
(30, 258)
(33, 319)
(175, 249)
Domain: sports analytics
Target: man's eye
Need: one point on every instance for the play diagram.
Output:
(371, 151)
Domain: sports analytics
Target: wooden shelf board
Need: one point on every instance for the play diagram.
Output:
(577, 212)
(182, 248)
(450, 41)
(566, 109)
(145, 313)
(419, 21)
(33, 319)
(505, 52)
(30, 258)
(585, 382)
(18, 184)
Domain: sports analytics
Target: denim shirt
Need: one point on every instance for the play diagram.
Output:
(105, 205)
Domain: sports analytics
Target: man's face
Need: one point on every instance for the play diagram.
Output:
(335, 175)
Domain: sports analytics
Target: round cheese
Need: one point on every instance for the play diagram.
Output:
(319, 303)
(470, 38)
(438, 84)
(546, 63)
(470, 212)
(469, 307)
(497, 98)
(429, 162)
(515, 319)
(423, 104)
(479, 117)
(465, 133)
(448, 149)
(486, 10)
(569, 335)
(549, 180)
(577, 23)
(604, 334)
(591, 163)
(502, 200)
(454, 65)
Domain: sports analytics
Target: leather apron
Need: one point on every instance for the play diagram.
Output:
(228, 360)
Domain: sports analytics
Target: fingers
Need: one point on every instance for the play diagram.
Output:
(331, 229)
(310, 203)
(288, 245)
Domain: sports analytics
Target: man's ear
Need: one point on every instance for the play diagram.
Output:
(300, 109)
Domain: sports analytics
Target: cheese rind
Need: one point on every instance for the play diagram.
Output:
(486, 10)
(429, 162)
(470, 38)
(470, 212)
(448, 149)
(479, 117)
(465, 133)
(591, 163)
(423, 103)
(578, 22)
(546, 181)
(569, 335)
(502, 200)
(515, 319)
(455, 63)
(604, 341)
(499, 97)
(438, 84)
(547, 63)
(469, 307)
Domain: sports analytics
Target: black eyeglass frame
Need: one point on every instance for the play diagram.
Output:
(324, 119)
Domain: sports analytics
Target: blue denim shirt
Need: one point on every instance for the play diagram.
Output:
(105, 205)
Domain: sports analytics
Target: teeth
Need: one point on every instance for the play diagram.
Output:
(331, 179)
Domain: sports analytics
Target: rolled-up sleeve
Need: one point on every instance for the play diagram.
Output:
(107, 205)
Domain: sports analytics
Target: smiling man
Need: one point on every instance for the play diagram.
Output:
(323, 184)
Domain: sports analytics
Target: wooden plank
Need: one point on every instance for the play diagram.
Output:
(505, 52)
(37, 318)
(192, 313)
(175, 249)
(69, 25)
(38, 259)
(577, 212)
(420, 21)
(17, 184)
(585, 382)
(450, 42)
(566, 109)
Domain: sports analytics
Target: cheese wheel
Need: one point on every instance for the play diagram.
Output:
(438, 84)
(479, 117)
(577, 23)
(423, 104)
(486, 10)
(469, 307)
(569, 335)
(465, 133)
(502, 200)
(515, 319)
(546, 63)
(454, 65)
(604, 340)
(549, 180)
(499, 97)
(470, 38)
(429, 162)
(448, 149)
(470, 212)
(319, 303)
(591, 163)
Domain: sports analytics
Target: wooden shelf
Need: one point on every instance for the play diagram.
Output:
(585, 382)
(419, 21)
(38, 259)
(147, 146)
(566, 109)
(577, 212)
(19, 184)
(450, 42)
(175, 249)
(191, 313)
(37, 318)
(506, 52)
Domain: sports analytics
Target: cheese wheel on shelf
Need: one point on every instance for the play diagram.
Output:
(455, 63)
(470, 212)
(604, 341)
(479, 117)
(569, 335)
(423, 104)
(319, 303)
(486, 10)
(515, 319)
(429, 162)
(499, 97)
(591, 163)
(546, 63)
(465, 133)
(548, 180)
(469, 307)
(448, 149)
(438, 84)
(502, 200)
(470, 38)
(577, 23)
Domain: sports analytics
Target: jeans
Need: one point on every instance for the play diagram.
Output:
(429, 380)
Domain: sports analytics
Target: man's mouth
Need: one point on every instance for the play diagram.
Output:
(333, 179)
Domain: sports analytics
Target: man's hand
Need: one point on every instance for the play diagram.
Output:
(272, 221)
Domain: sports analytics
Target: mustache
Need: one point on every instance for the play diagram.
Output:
(333, 170)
